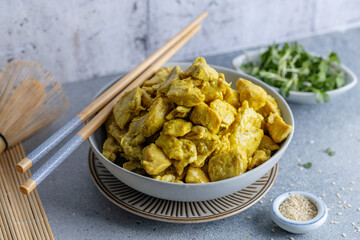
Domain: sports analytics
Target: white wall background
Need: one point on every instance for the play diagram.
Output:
(78, 40)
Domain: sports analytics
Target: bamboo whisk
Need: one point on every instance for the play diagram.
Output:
(29, 101)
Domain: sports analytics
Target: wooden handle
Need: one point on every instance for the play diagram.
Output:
(28, 186)
(104, 98)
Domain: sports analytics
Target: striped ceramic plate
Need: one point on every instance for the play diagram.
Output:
(172, 211)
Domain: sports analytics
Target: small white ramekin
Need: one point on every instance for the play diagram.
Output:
(297, 226)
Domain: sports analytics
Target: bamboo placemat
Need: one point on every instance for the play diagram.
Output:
(21, 216)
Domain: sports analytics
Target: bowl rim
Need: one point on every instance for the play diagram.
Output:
(349, 85)
(318, 202)
(278, 153)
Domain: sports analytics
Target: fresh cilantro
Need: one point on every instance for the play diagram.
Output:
(330, 152)
(306, 165)
(291, 68)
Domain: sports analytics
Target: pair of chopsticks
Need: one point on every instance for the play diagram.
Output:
(131, 80)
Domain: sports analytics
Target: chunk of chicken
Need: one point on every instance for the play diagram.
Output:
(268, 143)
(214, 88)
(177, 127)
(201, 70)
(269, 107)
(245, 133)
(178, 112)
(227, 165)
(196, 175)
(155, 118)
(225, 111)
(159, 77)
(232, 96)
(146, 99)
(132, 140)
(173, 75)
(110, 148)
(260, 156)
(277, 128)
(170, 175)
(202, 114)
(178, 149)
(205, 144)
(154, 160)
(183, 93)
(255, 95)
(128, 107)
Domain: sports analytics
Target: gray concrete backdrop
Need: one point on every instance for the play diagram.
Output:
(82, 39)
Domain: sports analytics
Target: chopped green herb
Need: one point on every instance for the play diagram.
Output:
(330, 152)
(291, 68)
(306, 165)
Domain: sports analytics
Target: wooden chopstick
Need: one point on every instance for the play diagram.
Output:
(101, 101)
(98, 120)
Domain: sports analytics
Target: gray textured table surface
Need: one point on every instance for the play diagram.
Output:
(77, 210)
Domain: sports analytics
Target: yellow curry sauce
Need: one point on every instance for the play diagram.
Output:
(190, 126)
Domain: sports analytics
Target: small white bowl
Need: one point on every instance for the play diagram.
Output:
(297, 226)
(294, 96)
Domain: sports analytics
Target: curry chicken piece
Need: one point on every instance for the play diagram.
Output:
(269, 107)
(277, 128)
(268, 143)
(154, 160)
(227, 165)
(255, 95)
(232, 96)
(184, 93)
(260, 156)
(196, 175)
(202, 114)
(205, 142)
(214, 88)
(178, 112)
(177, 127)
(173, 75)
(201, 70)
(225, 111)
(128, 107)
(110, 148)
(155, 118)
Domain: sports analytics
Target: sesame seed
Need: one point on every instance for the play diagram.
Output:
(323, 195)
(344, 201)
(340, 206)
(291, 185)
(319, 171)
(334, 222)
(270, 200)
(353, 224)
(342, 188)
(351, 189)
(344, 235)
(301, 168)
(338, 195)
(339, 202)
(298, 159)
(339, 213)
(333, 183)
(271, 239)
(261, 202)
(349, 206)
(248, 217)
(359, 209)
(352, 182)
(291, 238)
(273, 230)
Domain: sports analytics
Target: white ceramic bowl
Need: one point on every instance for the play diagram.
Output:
(299, 97)
(203, 191)
(297, 226)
